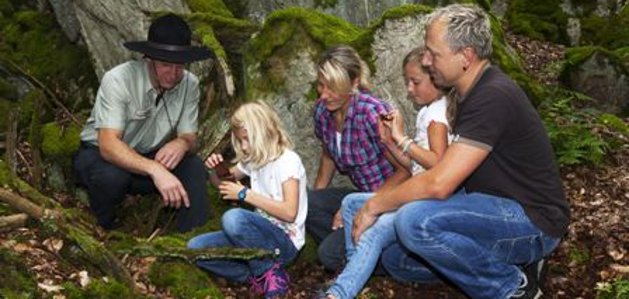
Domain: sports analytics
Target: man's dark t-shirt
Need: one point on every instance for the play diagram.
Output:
(496, 115)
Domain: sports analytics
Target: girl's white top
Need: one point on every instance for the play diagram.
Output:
(267, 181)
(435, 111)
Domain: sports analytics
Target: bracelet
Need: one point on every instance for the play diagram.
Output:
(399, 144)
(407, 146)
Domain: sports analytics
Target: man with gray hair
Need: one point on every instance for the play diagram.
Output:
(486, 216)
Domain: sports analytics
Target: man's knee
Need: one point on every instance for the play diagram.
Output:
(331, 251)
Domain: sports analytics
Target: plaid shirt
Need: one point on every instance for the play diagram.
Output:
(361, 155)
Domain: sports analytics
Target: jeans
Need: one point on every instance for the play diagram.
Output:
(322, 205)
(362, 258)
(245, 229)
(475, 240)
(107, 185)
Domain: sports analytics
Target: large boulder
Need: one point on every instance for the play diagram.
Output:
(599, 74)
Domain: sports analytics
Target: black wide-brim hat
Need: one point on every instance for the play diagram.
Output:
(169, 40)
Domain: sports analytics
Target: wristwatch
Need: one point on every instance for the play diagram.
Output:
(242, 194)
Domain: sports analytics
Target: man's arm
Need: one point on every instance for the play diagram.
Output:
(459, 161)
(173, 152)
(115, 151)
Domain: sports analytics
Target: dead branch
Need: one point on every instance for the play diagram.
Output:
(21, 204)
(11, 221)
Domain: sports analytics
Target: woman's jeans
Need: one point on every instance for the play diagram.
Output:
(322, 205)
(475, 240)
(245, 229)
(362, 258)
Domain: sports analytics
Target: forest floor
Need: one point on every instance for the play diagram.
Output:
(594, 251)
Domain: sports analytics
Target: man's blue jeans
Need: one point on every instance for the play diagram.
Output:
(475, 240)
(363, 257)
(245, 229)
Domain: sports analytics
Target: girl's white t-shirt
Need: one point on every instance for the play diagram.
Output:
(435, 111)
(267, 181)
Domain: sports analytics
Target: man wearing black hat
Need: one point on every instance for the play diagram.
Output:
(142, 130)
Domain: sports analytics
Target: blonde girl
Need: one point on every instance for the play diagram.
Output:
(278, 194)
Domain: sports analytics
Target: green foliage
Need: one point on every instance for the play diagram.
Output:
(58, 142)
(618, 289)
(608, 32)
(15, 279)
(578, 256)
(539, 19)
(183, 280)
(571, 130)
(104, 288)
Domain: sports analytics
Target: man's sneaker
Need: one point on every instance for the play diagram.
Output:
(274, 282)
(528, 288)
(538, 270)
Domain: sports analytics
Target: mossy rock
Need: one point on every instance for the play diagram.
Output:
(99, 288)
(34, 41)
(16, 281)
(5, 107)
(608, 32)
(539, 19)
(290, 30)
(599, 73)
(183, 280)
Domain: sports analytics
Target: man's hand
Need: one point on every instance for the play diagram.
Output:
(337, 221)
(172, 191)
(171, 154)
(362, 221)
(229, 190)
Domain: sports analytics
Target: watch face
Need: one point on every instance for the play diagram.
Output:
(242, 194)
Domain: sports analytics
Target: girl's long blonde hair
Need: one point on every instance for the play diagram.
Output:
(267, 137)
(415, 56)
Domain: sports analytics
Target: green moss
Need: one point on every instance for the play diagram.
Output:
(608, 32)
(539, 19)
(214, 7)
(103, 288)
(614, 122)
(286, 32)
(217, 30)
(326, 30)
(16, 281)
(60, 142)
(34, 42)
(183, 280)
(5, 108)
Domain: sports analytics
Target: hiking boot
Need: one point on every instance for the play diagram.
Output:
(528, 288)
(538, 270)
(274, 282)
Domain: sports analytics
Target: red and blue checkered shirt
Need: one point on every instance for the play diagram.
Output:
(361, 154)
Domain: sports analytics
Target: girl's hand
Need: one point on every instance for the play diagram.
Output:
(229, 190)
(213, 160)
(384, 130)
(397, 126)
